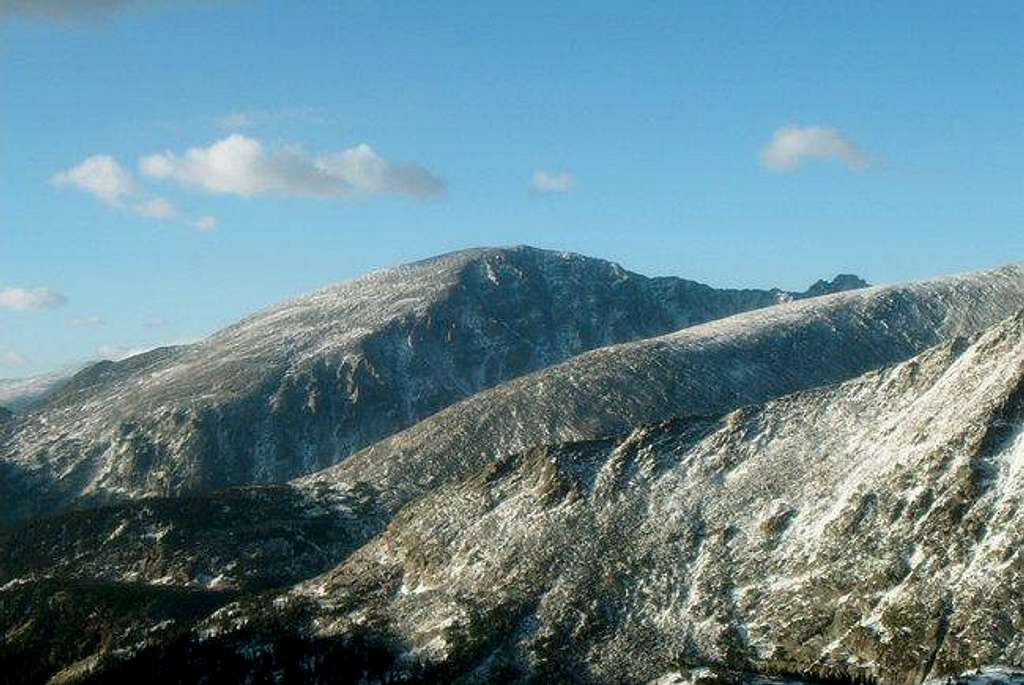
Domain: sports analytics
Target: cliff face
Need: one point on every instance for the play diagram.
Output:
(301, 385)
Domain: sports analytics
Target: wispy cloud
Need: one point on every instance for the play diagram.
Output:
(86, 321)
(12, 359)
(156, 208)
(239, 165)
(791, 145)
(30, 299)
(205, 224)
(103, 177)
(100, 175)
(553, 182)
(155, 322)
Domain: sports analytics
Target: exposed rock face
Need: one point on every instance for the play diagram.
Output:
(838, 284)
(303, 384)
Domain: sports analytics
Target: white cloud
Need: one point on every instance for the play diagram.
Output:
(86, 321)
(156, 208)
(100, 175)
(103, 177)
(553, 182)
(791, 145)
(30, 299)
(239, 165)
(156, 322)
(206, 224)
(13, 359)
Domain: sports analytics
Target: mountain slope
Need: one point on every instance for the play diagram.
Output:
(866, 531)
(472, 463)
(702, 370)
(301, 385)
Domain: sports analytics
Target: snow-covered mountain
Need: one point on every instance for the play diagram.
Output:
(303, 384)
(872, 529)
(869, 531)
(706, 499)
(702, 370)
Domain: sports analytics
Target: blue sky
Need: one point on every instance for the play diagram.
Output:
(330, 139)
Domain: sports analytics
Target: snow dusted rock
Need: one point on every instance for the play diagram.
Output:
(301, 385)
(869, 531)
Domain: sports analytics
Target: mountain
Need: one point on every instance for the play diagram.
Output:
(303, 384)
(838, 284)
(156, 568)
(702, 370)
(872, 529)
(869, 531)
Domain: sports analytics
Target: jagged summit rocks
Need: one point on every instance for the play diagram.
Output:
(301, 385)
(838, 284)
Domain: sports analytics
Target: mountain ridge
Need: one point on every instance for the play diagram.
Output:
(865, 531)
(302, 384)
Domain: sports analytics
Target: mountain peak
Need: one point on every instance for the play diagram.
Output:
(838, 284)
